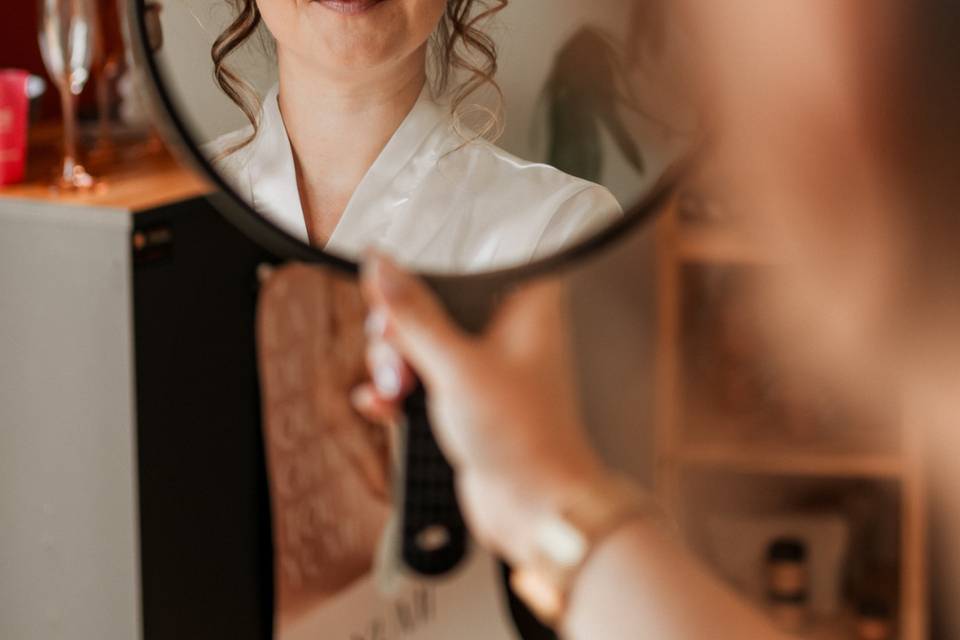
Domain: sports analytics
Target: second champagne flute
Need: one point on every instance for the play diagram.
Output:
(67, 38)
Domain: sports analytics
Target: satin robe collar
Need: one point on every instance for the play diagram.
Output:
(273, 176)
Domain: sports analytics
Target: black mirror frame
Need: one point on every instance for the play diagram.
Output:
(225, 199)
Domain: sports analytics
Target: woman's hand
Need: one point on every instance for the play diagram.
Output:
(503, 405)
(504, 410)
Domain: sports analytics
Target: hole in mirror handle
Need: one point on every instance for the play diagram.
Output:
(434, 536)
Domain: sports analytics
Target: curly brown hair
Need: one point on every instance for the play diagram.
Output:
(459, 45)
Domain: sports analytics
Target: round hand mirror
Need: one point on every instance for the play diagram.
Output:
(478, 142)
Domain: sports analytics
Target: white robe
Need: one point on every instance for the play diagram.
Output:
(431, 200)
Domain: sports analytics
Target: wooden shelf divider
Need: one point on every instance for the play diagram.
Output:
(760, 459)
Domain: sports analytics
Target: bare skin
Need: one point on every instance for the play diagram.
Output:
(347, 80)
(338, 128)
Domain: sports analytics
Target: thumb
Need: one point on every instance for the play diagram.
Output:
(417, 324)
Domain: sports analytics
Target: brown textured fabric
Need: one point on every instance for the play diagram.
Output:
(328, 468)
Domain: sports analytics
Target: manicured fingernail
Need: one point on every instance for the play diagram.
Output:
(375, 326)
(362, 398)
(386, 377)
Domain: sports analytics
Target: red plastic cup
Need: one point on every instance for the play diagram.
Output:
(14, 116)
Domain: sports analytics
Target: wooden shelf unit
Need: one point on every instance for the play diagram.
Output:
(146, 181)
(681, 244)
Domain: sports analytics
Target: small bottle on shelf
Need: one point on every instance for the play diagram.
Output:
(788, 584)
(874, 621)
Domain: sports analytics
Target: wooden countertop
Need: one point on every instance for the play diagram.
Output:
(143, 176)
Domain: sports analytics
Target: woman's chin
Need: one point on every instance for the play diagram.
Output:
(358, 32)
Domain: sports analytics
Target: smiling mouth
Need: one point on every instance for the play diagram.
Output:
(349, 7)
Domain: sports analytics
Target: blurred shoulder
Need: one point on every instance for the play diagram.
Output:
(539, 207)
(538, 178)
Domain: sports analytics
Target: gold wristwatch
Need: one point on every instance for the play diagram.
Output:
(565, 540)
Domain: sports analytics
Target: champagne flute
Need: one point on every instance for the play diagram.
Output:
(67, 40)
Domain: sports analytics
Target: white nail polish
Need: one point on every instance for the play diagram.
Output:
(387, 381)
(361, 398)
(375, 326)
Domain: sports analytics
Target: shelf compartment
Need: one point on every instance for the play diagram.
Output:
(767, 460)
(736, 381)
(721, 509)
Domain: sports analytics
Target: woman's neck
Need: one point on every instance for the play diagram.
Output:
(338, 127)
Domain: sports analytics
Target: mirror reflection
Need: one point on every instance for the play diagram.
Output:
(458, 136)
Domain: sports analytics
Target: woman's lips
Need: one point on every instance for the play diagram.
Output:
(349, 7)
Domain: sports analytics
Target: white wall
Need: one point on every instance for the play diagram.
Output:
(190, 28)
(529, 33)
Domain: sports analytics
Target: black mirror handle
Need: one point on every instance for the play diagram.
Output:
(434, 536)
